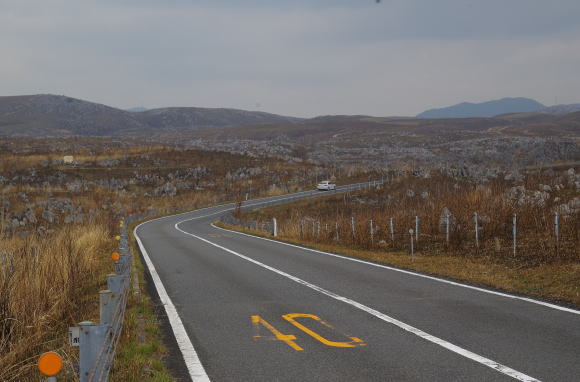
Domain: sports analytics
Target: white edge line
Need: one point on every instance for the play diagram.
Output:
(190, 357)
(418, 332)
(527, 299)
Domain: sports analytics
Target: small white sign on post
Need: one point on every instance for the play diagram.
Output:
(74, 336)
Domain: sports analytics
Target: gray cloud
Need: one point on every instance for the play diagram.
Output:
(293, 57)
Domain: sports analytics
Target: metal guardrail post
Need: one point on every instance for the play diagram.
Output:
(119, 267)
(115, 283)
(107, 304)
(91, 341)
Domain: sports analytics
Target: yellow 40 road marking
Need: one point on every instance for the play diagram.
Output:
(289, 338)
(291, 316)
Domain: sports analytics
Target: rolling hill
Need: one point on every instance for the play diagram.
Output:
(484, 109)
(53, 115)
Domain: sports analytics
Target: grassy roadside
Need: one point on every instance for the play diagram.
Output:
(141, 351)
(50, 283)
(558, 282)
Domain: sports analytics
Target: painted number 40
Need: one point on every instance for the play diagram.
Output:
(289, 339)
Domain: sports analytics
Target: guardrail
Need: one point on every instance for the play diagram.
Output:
(97, 342)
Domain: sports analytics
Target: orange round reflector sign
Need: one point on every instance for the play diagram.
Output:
(117, 237)
(115, 256)
(50, 364)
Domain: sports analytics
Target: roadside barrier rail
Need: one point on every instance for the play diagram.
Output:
(97, 341)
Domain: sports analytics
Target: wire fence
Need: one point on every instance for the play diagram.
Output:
(553, 237)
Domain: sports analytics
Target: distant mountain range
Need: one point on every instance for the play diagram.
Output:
(497, 108)
(53, 115)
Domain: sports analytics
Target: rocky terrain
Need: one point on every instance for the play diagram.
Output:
(471, 146)
(47, 183)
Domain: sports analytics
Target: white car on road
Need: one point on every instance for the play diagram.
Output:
(326, 185)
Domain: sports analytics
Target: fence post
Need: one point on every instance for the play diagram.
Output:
(275, 224)
(515, 232)
(91, 342)
(412, 249)
(392, 231)
(417, 229)
(447, 228)
(557, 230)
(476, 230)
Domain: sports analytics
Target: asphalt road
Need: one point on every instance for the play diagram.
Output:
(248, 309)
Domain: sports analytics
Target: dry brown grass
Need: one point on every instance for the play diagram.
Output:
(536, 241)
(542, 266)
(48, 284)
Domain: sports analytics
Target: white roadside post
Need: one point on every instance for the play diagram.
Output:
(556, 230)
(275, 224)
(412, 249)
(336, 229)
(515, 232)
(476, 230)
(417, 229)
(372, 232)
(447, 228)
(392, 226)
(352, 223)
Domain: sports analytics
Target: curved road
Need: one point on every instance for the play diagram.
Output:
(249, 309)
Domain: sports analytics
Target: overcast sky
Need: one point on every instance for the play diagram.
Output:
(294, 57)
